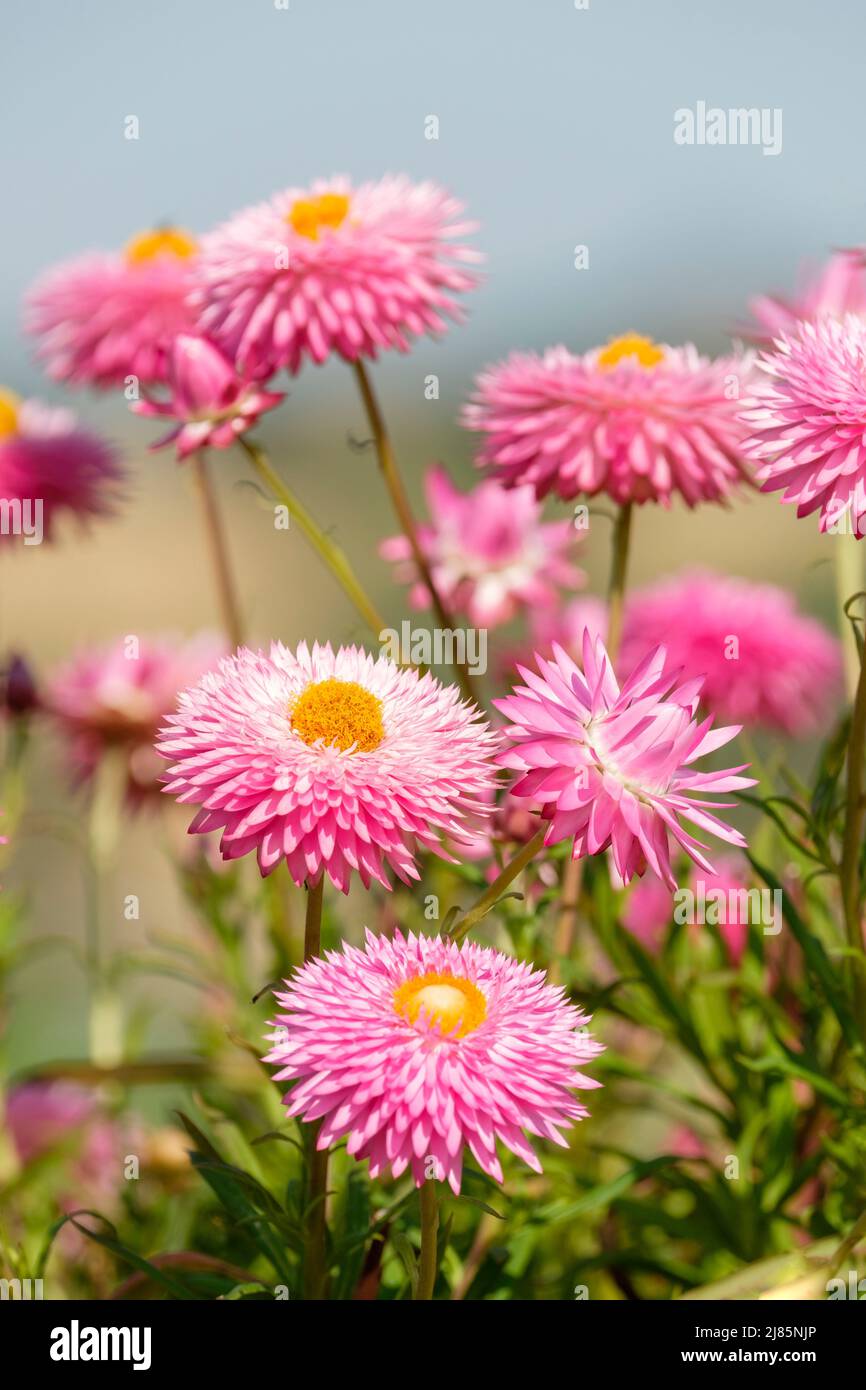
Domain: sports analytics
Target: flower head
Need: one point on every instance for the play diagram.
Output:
(808, 421)
(106, 316)
(416, 1048)
(333, 269)
(331, 761)
(761, 661)
(212, 404)
(490, 553)
(635, 420)
(839, 288)
(612, 767)
(115, 697)
(50, 466)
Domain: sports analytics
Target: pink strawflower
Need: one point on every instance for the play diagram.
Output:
(416, 1048)
(839, 288)
(763, 663)
(808, 422)
(489, 551)
(50, 466)
(333, 269)
(104, 317)
(115, 697)
(635, 420)
(332, 762)
(212, 404)
(612, 768)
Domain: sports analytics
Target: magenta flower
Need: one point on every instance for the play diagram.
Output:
(489, 551)
(762, 662)
(635, 420)
(104, 317)
(808, 422)
(612, 768)
(333, 762)
(114, 698)
(211, 402)
(333, 269)
(839, 288)
(50, 466)
(416, 1048)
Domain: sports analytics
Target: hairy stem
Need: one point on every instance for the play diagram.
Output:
(618, 569)
(226, 593)
(429, 1202)
(315, 1261)
(507, 875)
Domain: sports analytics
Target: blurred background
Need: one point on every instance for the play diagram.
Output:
(555, 129)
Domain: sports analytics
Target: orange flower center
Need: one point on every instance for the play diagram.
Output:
(457, 1005)
(9, 404)
(648, 353)
(160, 241)
(339, 712)
(309, 215)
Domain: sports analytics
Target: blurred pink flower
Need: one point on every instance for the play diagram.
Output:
(489, 551)
(211, 402)
(730, 877)
(809, 422)
(634, 419)
(333, 269)
(116, 697)
(648, 912)
(107, 316)
(612, 768)
(51, 467)
(837, 289)
(332, 761)
(763, 663)
(416, 1048)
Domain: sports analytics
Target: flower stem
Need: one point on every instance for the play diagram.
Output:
(849, 580)
(402, 507)
(219, 555)
(328, 552)
(428, 1201)
(490, 895)
(616, 590)
(849, 867)
(315, 1262)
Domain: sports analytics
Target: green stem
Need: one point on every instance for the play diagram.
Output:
(402, 507)
(849, 867)
(847, 564)
(490, 895)
(328, 552)
(429, 1203)
(315, 1262)
(616, 590)
(228, 600)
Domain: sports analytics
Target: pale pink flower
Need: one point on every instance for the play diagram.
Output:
(51, 467)
(331, 761)
(417, 1048)
(212, 404)
(763, 663)
(114, 698)
(636, 420)
(333, 269)
(809, 421)
(838, 288)
(489, 552)
(612, 768)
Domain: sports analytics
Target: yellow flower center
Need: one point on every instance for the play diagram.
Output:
(457, 1005)
(648, 353)
(309, 215)
(339, 712)
(9, 404)
(160, 241)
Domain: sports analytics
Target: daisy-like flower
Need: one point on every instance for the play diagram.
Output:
(417, 1048)
(50, 466)
(612, 768)
(634, 419)
(331, 761)
(762, 662)
(808, 422)
(333, 269)
(104, 317)
(212, 404)
(838, 289)
(490, 553)
(114, 698)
